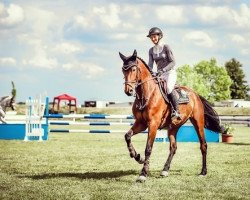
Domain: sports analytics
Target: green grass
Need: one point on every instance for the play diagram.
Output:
(97, 166)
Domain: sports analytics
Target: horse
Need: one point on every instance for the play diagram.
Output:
(6, 101)
(151, 111)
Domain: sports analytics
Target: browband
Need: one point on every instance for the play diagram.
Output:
(128, 66)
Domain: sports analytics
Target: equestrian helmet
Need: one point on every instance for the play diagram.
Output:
(155, 31)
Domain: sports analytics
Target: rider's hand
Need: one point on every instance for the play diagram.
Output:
(159, 73)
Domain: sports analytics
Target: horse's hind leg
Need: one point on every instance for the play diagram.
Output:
(173, 146)
(199, 127)
(136, 128)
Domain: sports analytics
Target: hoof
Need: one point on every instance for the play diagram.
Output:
(141, 179)
(202, 174)
(164, 173)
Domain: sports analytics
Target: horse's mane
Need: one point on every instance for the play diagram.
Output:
(146, 65)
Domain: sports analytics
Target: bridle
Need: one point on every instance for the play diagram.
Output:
(136, 81)
(142, 101)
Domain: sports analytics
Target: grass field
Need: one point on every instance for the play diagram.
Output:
(97, 166)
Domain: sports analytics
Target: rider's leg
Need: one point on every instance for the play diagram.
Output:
(174, 101)
(171, 78)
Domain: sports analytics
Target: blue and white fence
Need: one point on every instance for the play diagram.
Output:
(34, 113)
(89, 116)
(85, 123)
(28, 127)
(186, 133)
(90, 124)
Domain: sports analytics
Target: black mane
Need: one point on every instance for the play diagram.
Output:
(145, 65)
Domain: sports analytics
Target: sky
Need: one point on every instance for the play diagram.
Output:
(72, 46)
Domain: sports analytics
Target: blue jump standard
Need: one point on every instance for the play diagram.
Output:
(188, 134)
(17, 132)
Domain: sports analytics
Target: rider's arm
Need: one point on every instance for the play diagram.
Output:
(170, 57)
(150, 59)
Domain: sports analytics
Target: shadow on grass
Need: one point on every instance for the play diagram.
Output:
(238, 144)
(87, 175)
(176, 172)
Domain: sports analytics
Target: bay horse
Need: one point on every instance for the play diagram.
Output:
(5, 102)
(151, 111)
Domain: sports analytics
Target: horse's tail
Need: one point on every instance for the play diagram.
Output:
(212, 120)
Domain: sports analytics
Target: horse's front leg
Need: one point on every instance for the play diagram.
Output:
(136, 128)
(148, 150)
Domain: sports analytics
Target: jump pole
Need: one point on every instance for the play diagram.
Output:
(186, 133)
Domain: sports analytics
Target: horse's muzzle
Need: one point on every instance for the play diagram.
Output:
(129, 92)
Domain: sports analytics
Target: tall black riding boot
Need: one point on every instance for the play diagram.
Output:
(175, 111)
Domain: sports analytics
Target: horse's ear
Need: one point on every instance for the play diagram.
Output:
(122, 57)
(134, 56)
(135, 53)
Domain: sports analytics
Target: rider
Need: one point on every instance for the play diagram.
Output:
(162, 55)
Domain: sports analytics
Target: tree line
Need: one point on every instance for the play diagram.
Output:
(215, 82)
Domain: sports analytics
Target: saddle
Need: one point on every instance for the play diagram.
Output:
(180, 94)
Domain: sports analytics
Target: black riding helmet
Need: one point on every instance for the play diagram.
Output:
(155, 31)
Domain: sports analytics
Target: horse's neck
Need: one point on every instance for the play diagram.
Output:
(148, 84)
